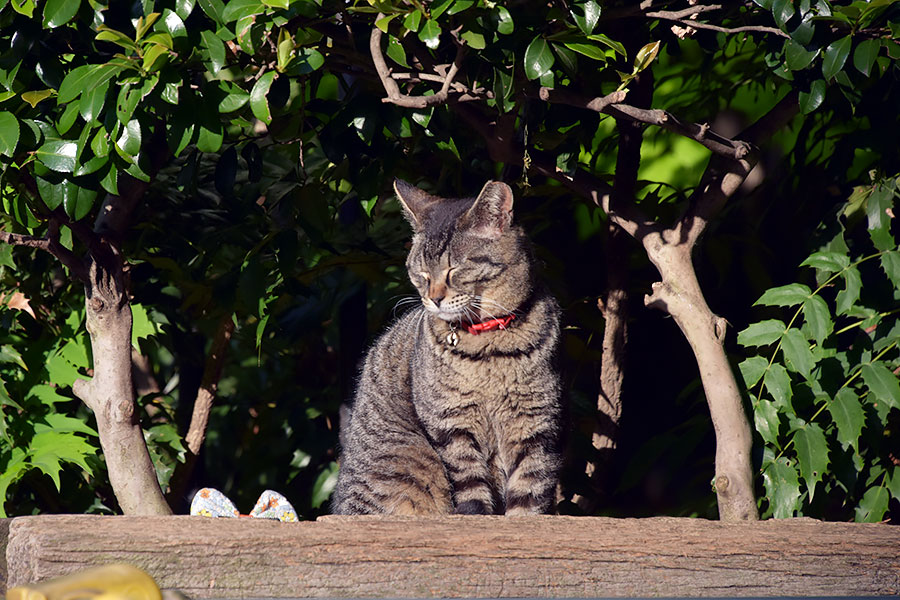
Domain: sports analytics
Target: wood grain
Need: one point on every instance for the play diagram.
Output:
(467, 556)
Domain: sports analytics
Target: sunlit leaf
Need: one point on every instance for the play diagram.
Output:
(786, 295)
(762, 333)
(645, 56)
(765, 419)
(58, 155)
(848, 416)
(797, 353)
(259, 103)
(778, 383)
(9, 133)
(882, 384)
(752, 370)
(873, 505)
(812, 99)
(59, 12)
(812, 455)
(782, 488)
(539, 58)
(835, 56)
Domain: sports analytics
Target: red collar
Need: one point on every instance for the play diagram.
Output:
(489, 325)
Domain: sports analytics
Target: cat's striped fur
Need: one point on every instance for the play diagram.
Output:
(446, 421)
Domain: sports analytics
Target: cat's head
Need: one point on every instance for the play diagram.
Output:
(468, 261)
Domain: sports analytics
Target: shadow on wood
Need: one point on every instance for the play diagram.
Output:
(465, 556)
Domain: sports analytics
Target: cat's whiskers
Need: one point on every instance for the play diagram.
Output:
(404, 301)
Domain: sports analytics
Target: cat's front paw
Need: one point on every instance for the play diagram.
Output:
(472, 507)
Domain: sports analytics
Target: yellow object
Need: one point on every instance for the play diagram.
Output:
(110, 582)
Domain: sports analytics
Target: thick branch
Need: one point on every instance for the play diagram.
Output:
(208, 386)
(612, 105)
(450, 91)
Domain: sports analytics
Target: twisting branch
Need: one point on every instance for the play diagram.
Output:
(50, 244)
(612, 105)
(688, 18)
(448, 92)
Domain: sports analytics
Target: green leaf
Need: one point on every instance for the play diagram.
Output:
(259, 104)
(882, 383)
(765, 418)
(324, 485)
(818, 318)
(430, 34)
(782, 488)
(232, 102)
(894, 483)
(8, 354)
(786, 295)
(812, 454)
(142, 326)
(396, 52)
(778, 383)
(84, 78)
(155, 57)
(76, 200)
(92, 102)
(827, 262)
(384, 22)
(59, 12)
(36, 97)
(9, 133)
(835, 56)
(50, 448)
(238, 9)
(23, 7)
(879, 207)
(873, 505)
(762, 333)
(752, 369)
(412, 20)
(129, 143)
(890, 262)
(865, 54)
(848, 296)
(539, 58)
(474, 40)
(847, 413)
(215, 48)
(797, 57)
(812, 99)
(58, 155)
(173, 24)
(645, 56)
(797, 353)
(505, 25)
(782, 11)
(612, 44)
(588, 22)
(588, 50)
(183, 8)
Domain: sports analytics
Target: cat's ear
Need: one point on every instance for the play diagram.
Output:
(491, 212)
(416, 203)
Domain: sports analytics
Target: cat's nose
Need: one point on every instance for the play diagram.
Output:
(436, 299)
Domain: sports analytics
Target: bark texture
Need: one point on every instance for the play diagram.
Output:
(110, 392)
(467, 556)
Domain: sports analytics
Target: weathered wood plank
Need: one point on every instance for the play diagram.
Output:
(467, 556)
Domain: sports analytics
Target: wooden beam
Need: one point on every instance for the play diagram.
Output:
(466, 556)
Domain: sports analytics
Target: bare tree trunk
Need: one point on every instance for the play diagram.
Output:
(110, 392)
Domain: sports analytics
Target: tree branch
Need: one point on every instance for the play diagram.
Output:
(612, 105)
(448, 92)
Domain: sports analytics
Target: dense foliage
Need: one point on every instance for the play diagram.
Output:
(256, 134)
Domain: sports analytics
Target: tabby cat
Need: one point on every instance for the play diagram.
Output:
(458, 404)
